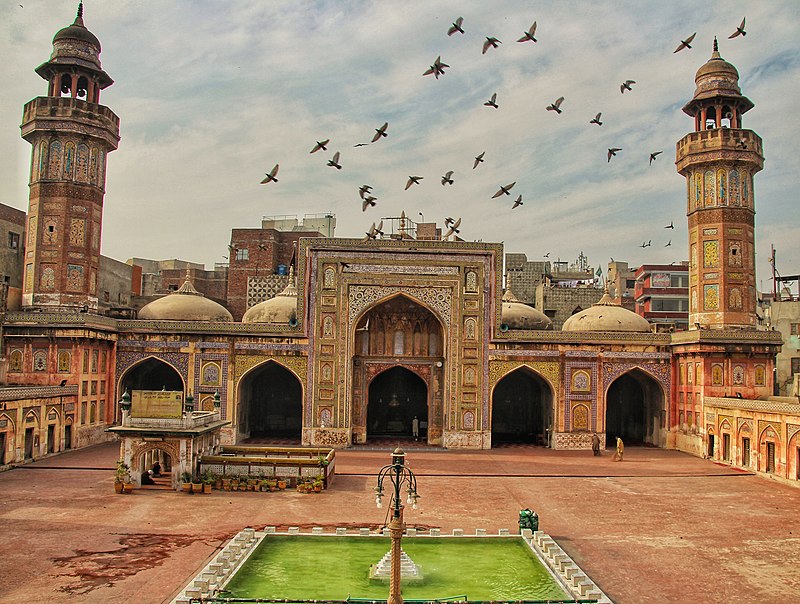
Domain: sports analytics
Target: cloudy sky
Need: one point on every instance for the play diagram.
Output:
(212, 94)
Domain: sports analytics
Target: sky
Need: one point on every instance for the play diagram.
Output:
(211, 95)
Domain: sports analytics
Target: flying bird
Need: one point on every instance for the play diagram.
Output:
(363, 190)
(653, 156)
(670, 225)
(413, 180)
(453, 229)
(448, 221)
(596, 120)
(669, 243)
(369, 200)
(739, 31)
(517, 202)
(447, 178)
(478, 159)
(528, 35)
(456, 27)
(334, 161)
(360, 144)
(320, 145)
(492, 102)
(271, 175)
(437, 68)
(547, 255)
(612, 152)
(380, 132)
(626, 85)
(504, 189)
(687, 43)
(556, 105)
(371, 233)
(645, 244)
(490, 41)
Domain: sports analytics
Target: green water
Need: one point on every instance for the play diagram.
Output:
(328, 568)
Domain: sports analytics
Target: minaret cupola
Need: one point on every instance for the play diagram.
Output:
(74, 67)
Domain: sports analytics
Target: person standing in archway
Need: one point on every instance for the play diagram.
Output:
(415, 428)
(595, 445)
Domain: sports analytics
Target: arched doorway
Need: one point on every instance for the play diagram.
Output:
(152, 374)
(270, 404)
(396, 397)
(522, 409)
(157, 465)
(634, 404)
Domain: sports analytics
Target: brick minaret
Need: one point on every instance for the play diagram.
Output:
(71, 134)
(719, 160)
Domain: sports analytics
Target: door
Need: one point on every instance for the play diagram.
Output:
(711, 446)
(28, 443)
(746, 452)
(770, 457)
(3, 448)
(726, 447)
(51, 438)
(68, 436)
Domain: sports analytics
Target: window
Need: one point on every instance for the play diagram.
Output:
(679, 281)
(795, 365)
(242, 254)
(13, 241)
(794, 329)
(85, 387)
(770, 457)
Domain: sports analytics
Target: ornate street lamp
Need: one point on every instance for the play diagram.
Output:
(399, 475)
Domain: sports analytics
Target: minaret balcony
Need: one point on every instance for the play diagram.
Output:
(719, 145)
(67, 114)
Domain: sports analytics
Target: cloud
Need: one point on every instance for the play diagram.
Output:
(212, 95)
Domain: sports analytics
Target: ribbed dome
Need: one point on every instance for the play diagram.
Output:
(517, 315)
(606, 315)
(78, 31)
(717, 78)
(281, 309)
(185, 304)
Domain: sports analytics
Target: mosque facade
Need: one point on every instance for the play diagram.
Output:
(370, 334)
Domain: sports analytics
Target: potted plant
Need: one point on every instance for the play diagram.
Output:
(122, 474)
(208, 478)
(317, 485)
(281, 483)
(226, 483)
(186, 482)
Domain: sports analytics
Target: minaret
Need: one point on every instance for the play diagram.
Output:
(71, 134)
(719, 160)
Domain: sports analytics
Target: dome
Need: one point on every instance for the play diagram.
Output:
(517, 315)
(78, 31)
(715, 78)
(281, 309)
(185, 304)
(606, 315)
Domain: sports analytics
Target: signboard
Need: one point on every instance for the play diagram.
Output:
(660, 280)
(157, 403)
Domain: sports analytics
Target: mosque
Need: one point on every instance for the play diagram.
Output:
(370, 334)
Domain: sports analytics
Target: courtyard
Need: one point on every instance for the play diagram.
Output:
(661, 526)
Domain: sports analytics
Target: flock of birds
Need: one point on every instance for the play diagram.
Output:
(438, 69)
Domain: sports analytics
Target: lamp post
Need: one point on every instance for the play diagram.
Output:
(399, 475)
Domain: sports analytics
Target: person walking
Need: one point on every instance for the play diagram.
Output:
(620, 450)
(415, 428)
(595, 445)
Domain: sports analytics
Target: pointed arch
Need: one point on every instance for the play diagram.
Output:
(522, 406)
(270, 401)
(396, 396)
(635, 408)
(144, 374)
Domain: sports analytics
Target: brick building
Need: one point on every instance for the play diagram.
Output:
(662, 295)
(259, 259)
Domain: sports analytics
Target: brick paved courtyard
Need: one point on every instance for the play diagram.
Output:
(661, 526)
